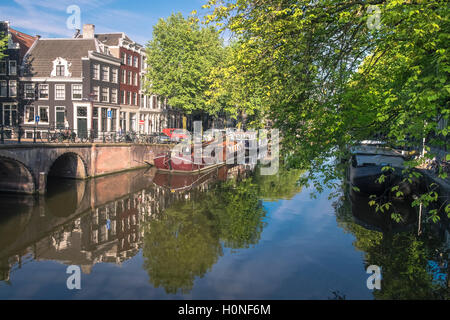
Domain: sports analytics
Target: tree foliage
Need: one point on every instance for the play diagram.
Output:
(181, 57)
(330, 73)
(3, 45)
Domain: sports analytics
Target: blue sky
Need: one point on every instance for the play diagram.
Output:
(134, 17)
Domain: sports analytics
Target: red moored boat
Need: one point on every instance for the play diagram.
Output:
(186, 163)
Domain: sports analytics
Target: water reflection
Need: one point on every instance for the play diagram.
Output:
(405, 253)
(229, 233)
(110, 219)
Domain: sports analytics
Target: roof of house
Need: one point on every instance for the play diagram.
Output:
(39, 62)
(25, 41)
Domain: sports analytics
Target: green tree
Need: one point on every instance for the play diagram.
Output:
(3, 45)
(328, 73)
(181, 57)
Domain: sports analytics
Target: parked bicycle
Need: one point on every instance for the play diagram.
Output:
(59, 136)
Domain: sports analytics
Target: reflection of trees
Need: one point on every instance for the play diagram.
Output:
(283, 185)
(185, 242)
(187, 239)
(181, 245)
(403, 257)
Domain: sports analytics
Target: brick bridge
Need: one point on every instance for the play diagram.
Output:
(24, 168)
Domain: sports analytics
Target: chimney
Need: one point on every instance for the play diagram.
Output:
(88, 31)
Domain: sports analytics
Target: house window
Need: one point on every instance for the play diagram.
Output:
(96, 72)
(3, 88)
(129, 60)
(114, 96)
(29, 114)
(114, 75)
(135, 79)
(154, 102)
(60, 92)
(43, 114)
(3, 67)
(130, 77)
(124, 58)
(105, 74)
(9, 115)
(135, 102)
(29, 91)
(60, 70)
(60, 117)
(124, 76)
(135, 60)
(113, 119)
(43, 91)
(96, 94)
(123, 97)
(105, 94)
(77, 92)
(12, 67)
(129, 97)
(12, 88)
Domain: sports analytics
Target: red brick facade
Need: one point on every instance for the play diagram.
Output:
(128, 57)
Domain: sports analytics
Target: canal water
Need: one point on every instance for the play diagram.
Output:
(228, 234)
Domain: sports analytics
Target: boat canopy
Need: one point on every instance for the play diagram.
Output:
(379, 160)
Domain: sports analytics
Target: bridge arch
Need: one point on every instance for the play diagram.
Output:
(68, 165)
(15, 176)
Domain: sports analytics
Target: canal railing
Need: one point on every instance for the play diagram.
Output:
(56, 134)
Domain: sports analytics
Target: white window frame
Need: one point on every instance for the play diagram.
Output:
(130, 78)
(11, 86)
(25, 118)
(15, 67)
(97, 98)
(107, 69)
(26, 90)
(107, 95)
(6, 88)
(63, 70)
(56, 112)
(114, 92)
(135, 62)
(96, 71)
(56, 92)
(12, 106)
(124, 76)
(39, 91)
(115, 75)
(39, 114)
(80, 85)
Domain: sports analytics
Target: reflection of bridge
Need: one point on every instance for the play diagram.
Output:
(98, 223)
(25, 168)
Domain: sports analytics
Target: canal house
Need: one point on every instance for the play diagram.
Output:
(70, 83)
(11, 107)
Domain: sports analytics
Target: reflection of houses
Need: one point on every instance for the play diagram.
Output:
(10, 97)
(112, 233)
(108, 232)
